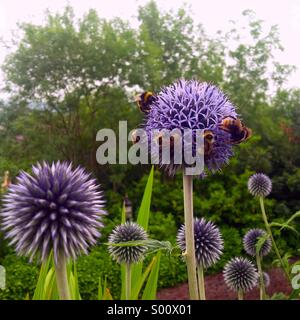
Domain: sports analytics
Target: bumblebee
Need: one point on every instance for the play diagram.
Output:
(145, 100)
(163, 142)
(134, 137)
(208, 143)
(209, 140)
(238, 132)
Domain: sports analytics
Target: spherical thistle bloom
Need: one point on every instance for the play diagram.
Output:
(267, 279)
(208, 242)
(251, 239)
(240, 274)
(259, 185)
(129, 231)
(191, 105)
(56, 208)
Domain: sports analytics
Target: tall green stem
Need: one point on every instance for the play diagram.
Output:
(262, 292)
(201, 283)
(62, 278)
(128, 281)
(262, 206)
(189, 236)
(240, 295)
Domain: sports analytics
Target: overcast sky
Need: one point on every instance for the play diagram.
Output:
(213, 14)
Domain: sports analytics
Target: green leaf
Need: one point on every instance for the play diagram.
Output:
(139, 284)
(102, 290)
(73, 282)
(142, 220)
(279, 296)
(123, 279)
(295, 215)
(260, 242)
(107, 295)
(283, 226)
(49, 285)
(144, 211)
(39, 290)
(151, 286)
(123, 214)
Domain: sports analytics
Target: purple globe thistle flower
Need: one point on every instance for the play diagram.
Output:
(56, 208)
(126, 232)
(208, 242)
(192, 105)
(250, 240)
(259, 185)
(240, 274)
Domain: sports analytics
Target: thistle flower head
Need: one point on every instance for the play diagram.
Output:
(267, 279)
(126, 232)
(251, 239)
(259, 185)
(208, 242)
(240, 274)
(56, 208)
(193, 105)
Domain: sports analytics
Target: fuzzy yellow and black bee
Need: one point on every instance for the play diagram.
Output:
(209, 140)
(134, 137)
(238, 132)
(208, 143)
(166, 140)
(145, 100)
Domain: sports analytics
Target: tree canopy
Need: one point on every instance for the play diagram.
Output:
(70, 77)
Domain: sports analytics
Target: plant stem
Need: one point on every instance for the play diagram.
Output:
(62, 278)
(189, 236)
(201, 283)
(262, 291)
(240, 295)
(128, 281)
(262, 206)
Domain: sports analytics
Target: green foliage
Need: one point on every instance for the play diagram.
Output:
(90, 268)
(162, 227)
(21, 278)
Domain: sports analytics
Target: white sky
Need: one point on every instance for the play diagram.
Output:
(213, 14)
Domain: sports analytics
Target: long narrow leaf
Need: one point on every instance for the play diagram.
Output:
(144, 211)
(142, 220)
(50, 286)
(123, 214)
(139, 284)
(77, 293)
(295, 215)
(39, 290)
(283, 226)
(151, 286)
